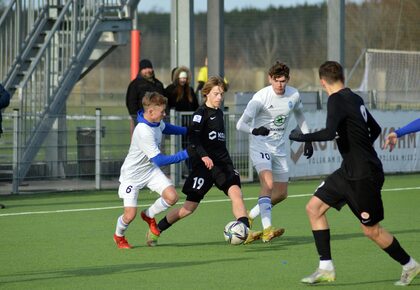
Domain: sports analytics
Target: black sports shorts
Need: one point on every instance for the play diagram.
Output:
(363, 196)
(200, 180)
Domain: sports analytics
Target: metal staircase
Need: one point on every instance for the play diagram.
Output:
(46, 46)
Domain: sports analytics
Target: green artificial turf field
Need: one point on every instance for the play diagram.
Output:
(64, 241)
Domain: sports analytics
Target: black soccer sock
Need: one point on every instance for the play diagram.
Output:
(397, 252)
(164, 224)
(322, 243)
(245, 220)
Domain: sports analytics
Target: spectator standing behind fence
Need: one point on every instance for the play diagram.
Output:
(180, 94)
(392, 138)
(4, 102)
(144, 82)
(182, 98)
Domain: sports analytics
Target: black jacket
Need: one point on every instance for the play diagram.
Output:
(4, 102)
(137, 89)
(183, 105)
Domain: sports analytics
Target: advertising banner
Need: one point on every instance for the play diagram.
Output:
(404, 158)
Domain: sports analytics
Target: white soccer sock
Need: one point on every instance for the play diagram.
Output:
(121, 227)
(411, 264)
(255, 211)
(159, 206)
(264, 203)
(326, 265)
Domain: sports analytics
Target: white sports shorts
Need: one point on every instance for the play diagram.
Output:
(155, 180)
(274, 163)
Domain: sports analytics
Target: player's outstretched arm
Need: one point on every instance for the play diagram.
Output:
(174, 130)
(162, 160)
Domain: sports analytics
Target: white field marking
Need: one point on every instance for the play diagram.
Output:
(178, 203)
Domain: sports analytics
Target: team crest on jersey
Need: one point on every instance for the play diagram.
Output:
(197, 119)
(290, 104)
(279, 120)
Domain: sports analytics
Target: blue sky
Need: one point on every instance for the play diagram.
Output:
(201, 5)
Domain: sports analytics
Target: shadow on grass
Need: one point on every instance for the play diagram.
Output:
(32, 276)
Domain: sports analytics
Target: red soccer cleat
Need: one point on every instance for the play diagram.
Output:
(121, 242)
(151, 222)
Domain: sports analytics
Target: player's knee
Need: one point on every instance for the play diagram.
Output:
(372, 232)
(128, 217)
(170, 197)
(312, 211)
(184, 212)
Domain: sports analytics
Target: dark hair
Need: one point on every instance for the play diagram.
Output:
(331, 72)
(182, 91)
(153, 99)
(213, 82)
(279, 69)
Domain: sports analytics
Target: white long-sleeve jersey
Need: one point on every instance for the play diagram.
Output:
(145, 144)
(272, 111)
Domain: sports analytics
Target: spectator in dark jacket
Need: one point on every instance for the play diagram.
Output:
(4, 102)
(180, 94)
(144, 82)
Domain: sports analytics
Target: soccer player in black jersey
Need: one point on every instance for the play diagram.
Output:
(211, 162)
(357, 183)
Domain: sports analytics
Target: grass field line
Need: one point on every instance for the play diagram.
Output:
(178, 203)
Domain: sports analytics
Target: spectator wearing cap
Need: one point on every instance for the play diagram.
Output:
(144, 82)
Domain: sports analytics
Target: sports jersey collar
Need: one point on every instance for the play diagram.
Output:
(141, 119)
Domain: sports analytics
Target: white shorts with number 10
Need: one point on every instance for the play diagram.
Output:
(155, 180)
(264, 160)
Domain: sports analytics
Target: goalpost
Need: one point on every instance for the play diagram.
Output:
(392, 77)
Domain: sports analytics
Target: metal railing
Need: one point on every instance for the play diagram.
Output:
(90, 149)
(60, 38)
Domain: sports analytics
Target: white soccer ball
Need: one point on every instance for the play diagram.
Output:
(235, 232)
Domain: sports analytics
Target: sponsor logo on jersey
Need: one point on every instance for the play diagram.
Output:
(197, 118)
(213, 117)
(212, 135)
(279, 120)
(219, 135)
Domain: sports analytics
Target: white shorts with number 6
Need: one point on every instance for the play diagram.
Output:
(155, 180)
(267, 161)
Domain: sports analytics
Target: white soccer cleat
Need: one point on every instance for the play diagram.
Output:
(408, 275)
(319, 276)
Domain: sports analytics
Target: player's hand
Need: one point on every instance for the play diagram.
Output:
(308, 150)
(207, 162)
(296, 135)
(391, 141)
(261, 131)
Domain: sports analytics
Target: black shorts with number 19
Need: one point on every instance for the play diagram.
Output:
(200, 180)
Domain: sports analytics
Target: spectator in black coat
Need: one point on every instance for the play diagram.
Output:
(180, 94)
(144, 82)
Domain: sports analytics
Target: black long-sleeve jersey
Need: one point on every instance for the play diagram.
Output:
(208, 135)
(355, 131)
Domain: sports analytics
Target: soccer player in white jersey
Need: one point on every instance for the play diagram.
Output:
(141, 166)
(265, 118)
